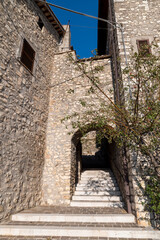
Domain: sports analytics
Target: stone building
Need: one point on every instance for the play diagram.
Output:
(134, 27)
(41, 162)
(26, 28)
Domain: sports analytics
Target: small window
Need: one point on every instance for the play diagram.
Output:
(27, 55)
(143, 47)
(40, 23)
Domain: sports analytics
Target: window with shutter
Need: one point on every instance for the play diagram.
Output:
(27, 55)
(143, 47)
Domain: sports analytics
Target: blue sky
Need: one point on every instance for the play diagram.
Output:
(83, 29)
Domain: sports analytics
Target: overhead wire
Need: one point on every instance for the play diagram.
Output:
(113, 24)
(79, 13)
(79, 26)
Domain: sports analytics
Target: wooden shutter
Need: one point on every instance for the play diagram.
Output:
(28, 55)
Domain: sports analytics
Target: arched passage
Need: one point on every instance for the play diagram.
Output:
(87, 153)
(95, 153)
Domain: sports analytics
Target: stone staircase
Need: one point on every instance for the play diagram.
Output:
(96, 213)
(97, 188)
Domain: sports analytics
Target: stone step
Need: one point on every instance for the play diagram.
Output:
(73, 224)
(97, 170)
(96, 204)
(97, 174)
(79, 218)
(76, 210)
(98, 180)
(97, 193)
(97, 188)
(76, 231)
(96, 198)
(64, 238)
(97, 184)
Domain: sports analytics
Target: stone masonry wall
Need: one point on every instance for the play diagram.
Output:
(140, 21)
(68, 87)
(24, 103)
(65, 42)
(89, 144)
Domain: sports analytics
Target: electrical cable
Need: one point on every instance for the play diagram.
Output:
(76, 12)
(117, 25)
(79, 26)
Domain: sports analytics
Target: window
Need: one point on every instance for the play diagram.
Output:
(40, 23)
(143, 47)
(27, 56)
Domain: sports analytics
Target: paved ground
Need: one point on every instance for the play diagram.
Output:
(75, 224)
(65, 238)
(73, 210)
(76, 210)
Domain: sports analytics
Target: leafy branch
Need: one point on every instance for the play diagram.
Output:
(136, 119)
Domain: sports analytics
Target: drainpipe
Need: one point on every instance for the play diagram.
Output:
(127, 191)
(125, 177)
(126, 182)
(120, 26)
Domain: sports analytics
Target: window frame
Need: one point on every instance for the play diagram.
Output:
(40, 23)
(139, 48)
(24, 52)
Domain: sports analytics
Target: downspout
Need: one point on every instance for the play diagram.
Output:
(125, 177)
(113, 50)
(126, 181)
(125, 55)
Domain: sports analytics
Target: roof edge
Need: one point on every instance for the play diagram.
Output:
(94, 58)
(47, 11)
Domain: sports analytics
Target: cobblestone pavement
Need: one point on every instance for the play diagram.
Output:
(75, 224)
(75, 210)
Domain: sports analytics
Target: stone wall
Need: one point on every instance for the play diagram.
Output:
(138, 166)
(24, 103)
(89, 146)
(33, 104)
(140, 20)
(68, 88)
(65, 42)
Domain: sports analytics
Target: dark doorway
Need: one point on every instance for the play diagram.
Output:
(88, 153)
(95, 155)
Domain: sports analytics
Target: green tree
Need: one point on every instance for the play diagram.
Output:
(135, 120)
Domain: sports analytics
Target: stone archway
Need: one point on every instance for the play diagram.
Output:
(61, 169)
(87, 154)
(94, 153)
